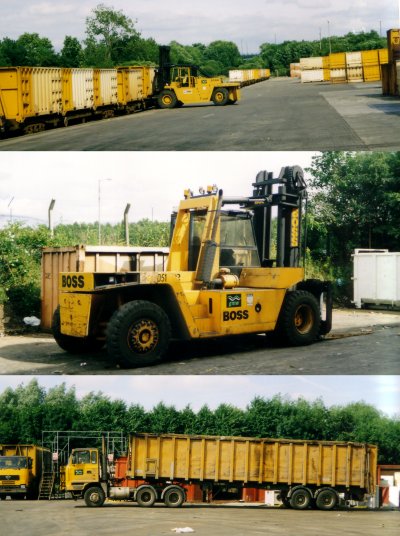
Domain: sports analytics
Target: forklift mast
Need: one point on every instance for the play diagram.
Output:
(286, 193)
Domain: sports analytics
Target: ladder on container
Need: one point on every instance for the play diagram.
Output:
(46, 486)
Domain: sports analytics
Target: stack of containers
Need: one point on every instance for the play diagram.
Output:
(354, 67)
(312, 69)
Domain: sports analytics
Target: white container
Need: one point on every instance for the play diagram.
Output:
(82, 88)
(338, 75)
(236, 75)
(355, 74)
(376, 277)
(354, 59)
(315, 75)
(46, 90)
(311, 63)
(108, 86)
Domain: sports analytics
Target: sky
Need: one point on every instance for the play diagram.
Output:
(382, 392)
(153, 183)
(248, 24)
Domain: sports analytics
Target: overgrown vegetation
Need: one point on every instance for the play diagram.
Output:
(113, 39)
(21, 251)
(28, 410)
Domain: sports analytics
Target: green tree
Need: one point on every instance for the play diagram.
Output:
(60, 409)
(164, 419)
(38, 51)
(109, 29)
(71, 54)
(224, 52)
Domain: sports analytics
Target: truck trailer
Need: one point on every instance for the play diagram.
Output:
(158, 467)
(21, 470)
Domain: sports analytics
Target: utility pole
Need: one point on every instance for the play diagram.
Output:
(51, 206)
(9, 206)
(329, 39)
(126, 223)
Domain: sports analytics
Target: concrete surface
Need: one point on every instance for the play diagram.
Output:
(277, 114)
(361, 342)
(66, 518)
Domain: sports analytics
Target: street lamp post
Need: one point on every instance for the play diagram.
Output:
(99, 220)
(9, 206)
(329, 39)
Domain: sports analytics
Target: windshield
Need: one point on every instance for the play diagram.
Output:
(14, 462)
(238, 247)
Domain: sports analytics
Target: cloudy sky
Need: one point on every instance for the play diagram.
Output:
(383, 392)
(248, 24)
(153, 183)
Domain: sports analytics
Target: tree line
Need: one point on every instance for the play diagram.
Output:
(28, 410)
(111, 38)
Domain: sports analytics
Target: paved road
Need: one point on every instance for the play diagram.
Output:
(64, 518)
(360, 343)
(277, 114)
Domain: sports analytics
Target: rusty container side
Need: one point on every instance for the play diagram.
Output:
(92, 259)
(252, 461)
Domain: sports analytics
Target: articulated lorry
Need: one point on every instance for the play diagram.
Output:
(234, 267)
(158, 467)
(21, 470)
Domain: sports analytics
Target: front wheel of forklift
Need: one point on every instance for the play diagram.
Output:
(138, 334)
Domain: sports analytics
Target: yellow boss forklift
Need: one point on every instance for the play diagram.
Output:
(177, 85)
(233, 268)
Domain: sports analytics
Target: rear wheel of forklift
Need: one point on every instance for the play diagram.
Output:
(167, 99)
(299, 319)
(73, 345)
(220, 96)
(94, 496)
(138, 334)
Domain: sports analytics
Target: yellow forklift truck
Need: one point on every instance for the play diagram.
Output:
(177, 85)
(230, 271)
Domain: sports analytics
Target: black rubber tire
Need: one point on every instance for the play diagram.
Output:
(146, 496)
(300, 499)
(94, 497)
(327, 499)
(300, 318)
(73, 345)
(220, 96)
(174, 497)
(167, 99)
(138, 334)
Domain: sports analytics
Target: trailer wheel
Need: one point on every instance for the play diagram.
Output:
(300, 318)
(138, 334)
(300, 499)
(146, 496)
(167, 99)
(73, 345)
(174, 497)
(327, 499)
(220, 96)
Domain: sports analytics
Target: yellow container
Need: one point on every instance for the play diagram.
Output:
(383, 56)
(337, 60)
(370, 57)
(372, 73)
(30, 92)
(326, 63)
(252, 461)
